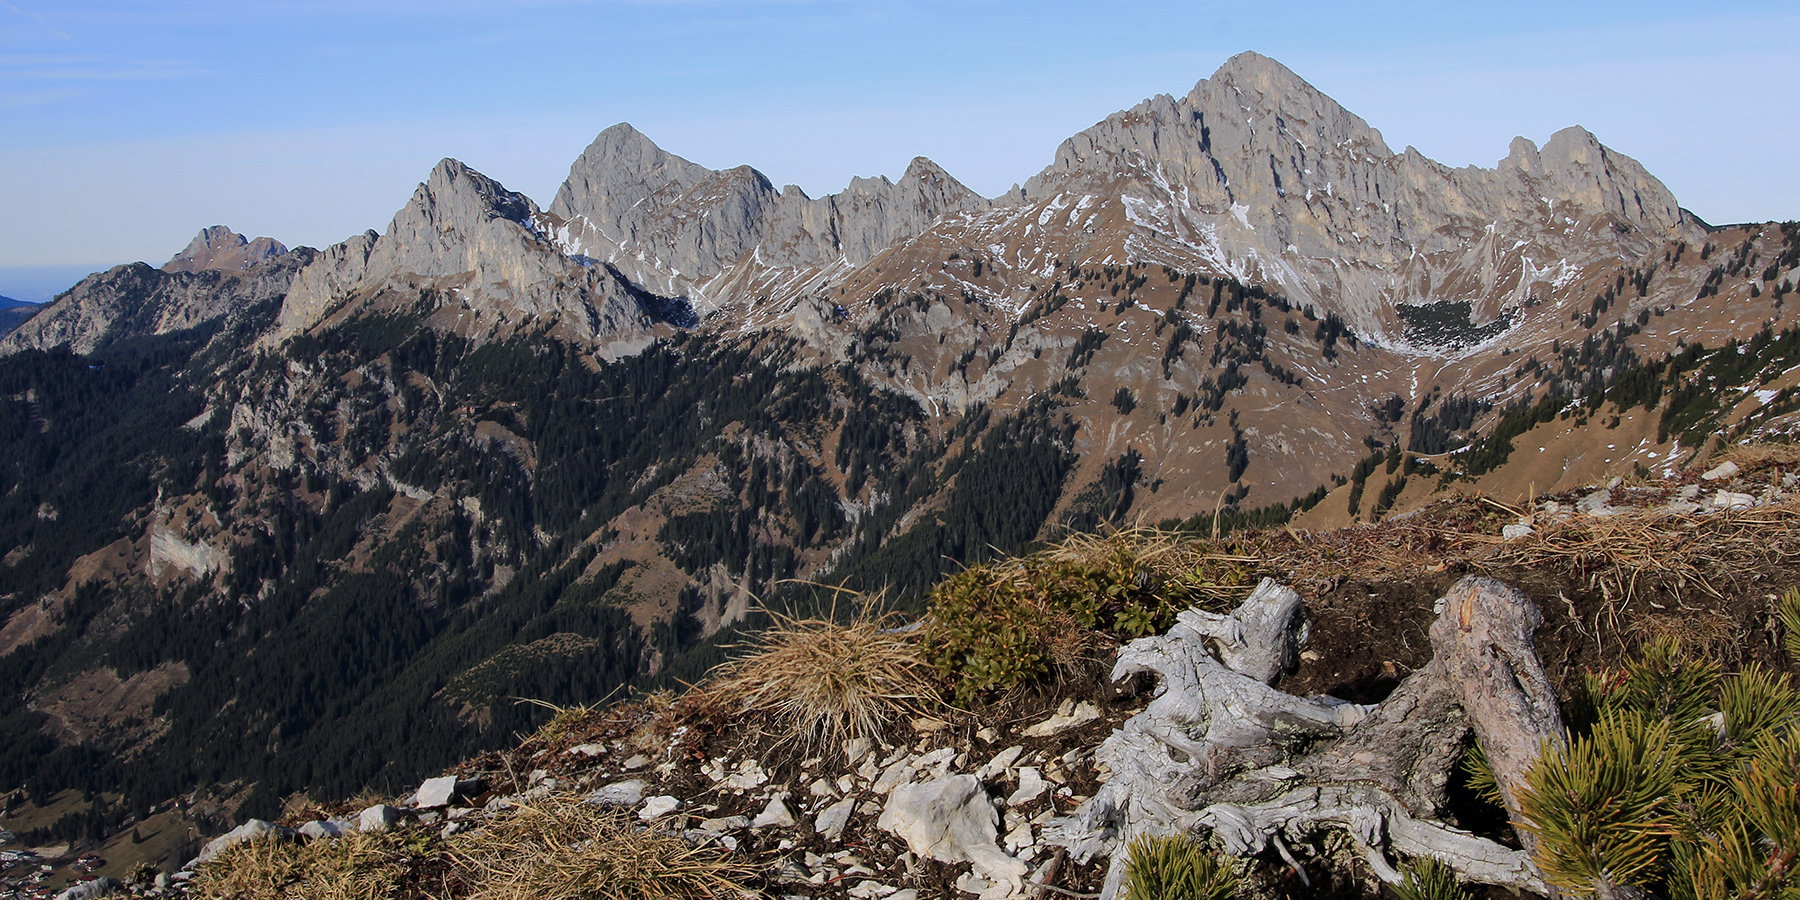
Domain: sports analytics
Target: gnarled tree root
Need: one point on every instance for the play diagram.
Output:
(1220, 749)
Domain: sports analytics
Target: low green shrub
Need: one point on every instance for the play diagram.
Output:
(1430, 879)
(1003, 624)
(1177, 868)
(1682, 781)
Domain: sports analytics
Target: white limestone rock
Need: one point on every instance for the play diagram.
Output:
(435, 792)
(1069, 714)
(327, 828)
(832, 820)
(1722, 471)
(379, 817)
(952, 820)
(657, 807)
(776, 815)
(251, 830)
(620, 793)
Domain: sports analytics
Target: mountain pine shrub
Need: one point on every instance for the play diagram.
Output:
(1678, 780)
(1177, 868)
(1429, 879)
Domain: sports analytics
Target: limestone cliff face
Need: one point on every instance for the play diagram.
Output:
(680, 228)
(471, 245)
(1254, 175)
(1257, 171)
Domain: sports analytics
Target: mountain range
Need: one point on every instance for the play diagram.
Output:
(13, 313)
(309, 519)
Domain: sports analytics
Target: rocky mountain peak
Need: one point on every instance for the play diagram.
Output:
(452, 205)
(1587, 173)
(618, 174)
(218, 248)
(473, 257)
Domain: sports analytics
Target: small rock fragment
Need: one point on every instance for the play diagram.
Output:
(379, 817)
(1019, 838)
(791, 872)
(619, 793)
(1516, 531)
(776, 814)
(1598, 503)
(833, 818)
(1068, 715)
(749, 775)
(1031, 785)
(1730, 500)
(897, 773)
(589, 750)
(249, 831)
(724, 824)
(327, 828)
(1000, 763)
(435, 792)
(854, 749)
(952, 820)
(1727, 469)
(657, 807)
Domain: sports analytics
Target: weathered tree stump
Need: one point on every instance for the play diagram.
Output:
(1220, 749)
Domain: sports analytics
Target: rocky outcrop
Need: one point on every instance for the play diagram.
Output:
(465, 252)
(134, 301)
(1257, 174)
(678, 227)
(221, 249)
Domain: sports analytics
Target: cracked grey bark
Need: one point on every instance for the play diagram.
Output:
(1220, 749)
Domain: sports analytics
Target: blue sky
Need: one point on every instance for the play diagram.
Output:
(125, 127)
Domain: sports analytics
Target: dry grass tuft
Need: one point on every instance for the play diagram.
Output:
(565, 721)
(1761, 455)
(824, 682)
(376, 866)
(570, 851)
(1620, 554)
(1708, 634)
(1620, 551)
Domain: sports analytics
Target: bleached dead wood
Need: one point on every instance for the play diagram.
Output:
(1483, 639)
(1220, 749)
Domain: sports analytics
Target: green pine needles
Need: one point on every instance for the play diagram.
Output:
(1177, 868)
(1430, 879)
(1678, 780)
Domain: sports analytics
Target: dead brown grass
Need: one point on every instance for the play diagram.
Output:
(1620, 554)
(1703, 633)
(1758, 456)
(376, 866)
(824, 682)
(1206, 570)
(566, 850)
